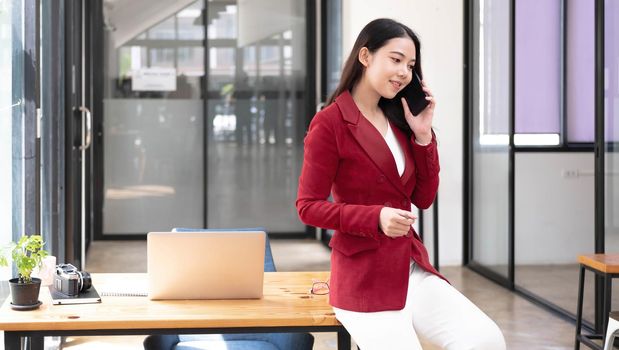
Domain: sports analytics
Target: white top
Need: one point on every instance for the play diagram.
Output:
(396, 150)
(398, 155)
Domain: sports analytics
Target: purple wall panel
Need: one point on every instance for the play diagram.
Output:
(580, 88)
(611, 60)
(538, 66)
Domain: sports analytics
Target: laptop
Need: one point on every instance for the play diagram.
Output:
(205, 265)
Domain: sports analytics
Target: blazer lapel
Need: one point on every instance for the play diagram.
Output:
(370, 140)
(409, 167)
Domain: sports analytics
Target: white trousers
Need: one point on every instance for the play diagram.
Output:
(435, 312)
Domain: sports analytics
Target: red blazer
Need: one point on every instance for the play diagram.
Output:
(347, 157)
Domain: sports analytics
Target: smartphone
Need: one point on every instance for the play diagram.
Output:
(415, 96)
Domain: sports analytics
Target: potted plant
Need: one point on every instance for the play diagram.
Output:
(26, 254)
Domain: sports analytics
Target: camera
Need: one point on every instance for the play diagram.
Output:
(70, 281)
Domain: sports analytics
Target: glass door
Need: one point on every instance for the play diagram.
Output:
(78, 135)
(205, 105)
(259, 90)
(152, 121)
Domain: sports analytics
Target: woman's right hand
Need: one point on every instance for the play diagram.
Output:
(395, 222)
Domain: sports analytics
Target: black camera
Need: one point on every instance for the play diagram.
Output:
(70, 281)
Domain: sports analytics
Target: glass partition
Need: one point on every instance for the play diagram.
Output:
(554, 183)
(554, 197)
(491, 113)
(611, 141)
(153, 124)
(257, 71)
(170, 162)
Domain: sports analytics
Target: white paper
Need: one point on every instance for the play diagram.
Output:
(154, 79)
(47, 271)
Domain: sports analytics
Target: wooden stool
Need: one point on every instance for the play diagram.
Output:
(606, 266)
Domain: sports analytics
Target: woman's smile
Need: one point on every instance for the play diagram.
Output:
(396, 85)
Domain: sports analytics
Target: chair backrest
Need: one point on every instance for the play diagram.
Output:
(269, 264)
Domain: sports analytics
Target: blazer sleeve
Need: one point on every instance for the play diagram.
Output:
(427, 169)
(320, 164)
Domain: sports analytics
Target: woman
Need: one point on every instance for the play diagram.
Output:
(377, 159)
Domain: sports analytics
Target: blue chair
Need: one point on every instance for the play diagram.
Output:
(249, 341)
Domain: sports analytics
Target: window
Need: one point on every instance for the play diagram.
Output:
(538, 72)
(553, 48)
(7, 104)
(17, 192)
(492, 54)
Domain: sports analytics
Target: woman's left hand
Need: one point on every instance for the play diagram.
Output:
(422, 123)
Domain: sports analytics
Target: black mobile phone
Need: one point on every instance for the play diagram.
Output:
(415, 96)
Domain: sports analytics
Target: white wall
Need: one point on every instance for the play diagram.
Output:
(129, 18)
(440, 28)
(554, 207)
(283, 15)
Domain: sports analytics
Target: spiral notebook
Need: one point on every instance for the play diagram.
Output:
(127, 293)
(89, 297)
(125, 289)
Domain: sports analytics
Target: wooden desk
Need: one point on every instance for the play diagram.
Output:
(287, 306)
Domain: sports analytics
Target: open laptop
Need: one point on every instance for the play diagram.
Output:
(205, 265)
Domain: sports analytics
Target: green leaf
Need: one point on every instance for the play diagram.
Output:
(26, 254)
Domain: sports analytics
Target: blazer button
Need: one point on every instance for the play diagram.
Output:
(404, 202)
(381, 179)
(388, 204)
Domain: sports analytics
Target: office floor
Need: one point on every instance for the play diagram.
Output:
(525, 325)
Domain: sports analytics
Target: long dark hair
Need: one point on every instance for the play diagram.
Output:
(374, 36)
